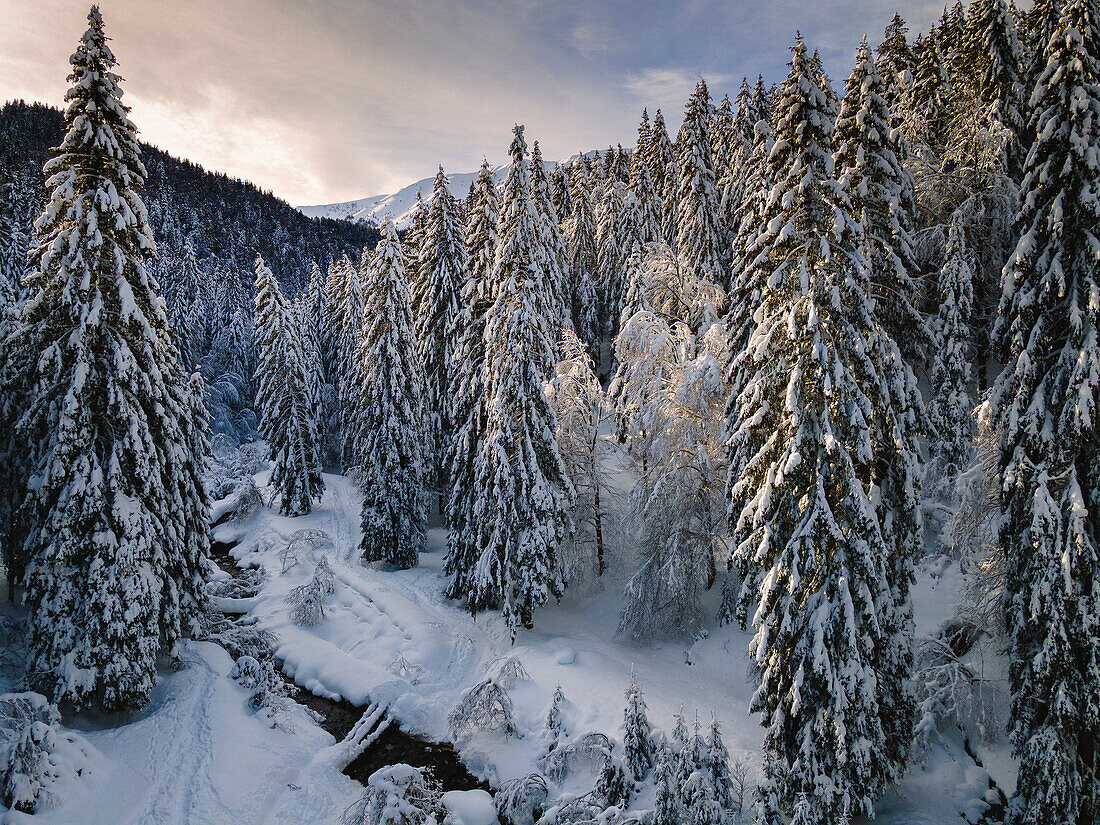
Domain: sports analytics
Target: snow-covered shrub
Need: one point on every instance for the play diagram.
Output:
(239, 636)
(302, 543)
(307, 601)
(268, 693)
(405, 669)
(235, 500)
(590, 752)
(952, 687)
(486, 707)
(325, 578)
(587, 809)
(29, 739)
(245, 584)
(512, 671)
(247, 672)
(396, 795)
(28, 769)
(521, 801)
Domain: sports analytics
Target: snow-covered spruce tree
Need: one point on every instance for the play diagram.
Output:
(352, 312)
(1037, 25)
(716, 760)
(13, 252)
(661, 160)
(113, 554)
(637, 736)
(336, 360)
(468, 373)
(180, 287)
(701, 805)
(391, 434)
(16, 376)
(895, 62)
(288, 415)
(926, 108)
(868, 165)
(309, 308)
(991, 67)
(642, 204)
(700, 235)
(582, 257)
(951, 410)
(732, 183)
(951, 39)
(747, 280)
(580, 409)
(436, 296)
(1044, 408)
(823, 507)
(612, 251)
(552, 261)
(555, 723)
(521, 515)
(411, 243)
(666, 798)
(561, 195)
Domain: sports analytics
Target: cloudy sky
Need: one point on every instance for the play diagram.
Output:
(332, 100)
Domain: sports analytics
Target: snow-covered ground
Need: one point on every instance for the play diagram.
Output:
(199, 754)
(391, 637)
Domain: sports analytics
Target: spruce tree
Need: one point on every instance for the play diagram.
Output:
(992, 69)
(114, 520)
(950, 412)
(700, 237)
(583, 260)
(927, 107)
(555, 724)
(661, 160)
(351, 312)
(613, 236)
(521, 515)
(468, 371)
(288, 415)
(666, 799)
(896, 63)
(442, 267)
(716, 760)
(391, 430)
(868, 164)
(824, 418)
(1044, 408)
(553, 262)
(747, 279)
(637, 742)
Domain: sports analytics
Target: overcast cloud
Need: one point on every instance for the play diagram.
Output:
(331, 100)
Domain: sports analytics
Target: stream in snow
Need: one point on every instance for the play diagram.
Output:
(393, 744)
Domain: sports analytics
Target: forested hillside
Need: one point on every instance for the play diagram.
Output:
(208, 228)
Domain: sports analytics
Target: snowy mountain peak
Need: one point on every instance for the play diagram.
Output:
(399, 206)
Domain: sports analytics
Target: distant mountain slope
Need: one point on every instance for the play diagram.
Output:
(226, 220)
(399, 206)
